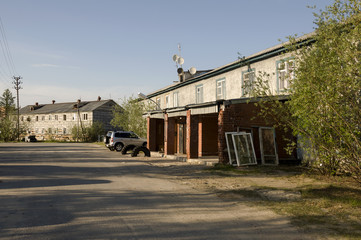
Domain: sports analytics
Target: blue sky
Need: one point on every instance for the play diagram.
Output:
(71, 49)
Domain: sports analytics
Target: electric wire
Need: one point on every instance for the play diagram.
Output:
(7, 53)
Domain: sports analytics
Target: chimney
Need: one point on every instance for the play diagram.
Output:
(180, 74)
(36, 104)
(53, 101)
(99, 98)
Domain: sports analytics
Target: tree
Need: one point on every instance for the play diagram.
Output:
(88, 134)
(7, 108)
(129, 116)
(327, 90)
(7, 104)
(325, 95)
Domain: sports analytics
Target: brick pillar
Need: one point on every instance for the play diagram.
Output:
(192, 136)
(200, 136)
(169, 126)
(222, 144)
(152, 134)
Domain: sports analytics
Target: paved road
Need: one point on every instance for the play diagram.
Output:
(84, 191)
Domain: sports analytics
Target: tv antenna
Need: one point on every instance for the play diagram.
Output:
(179, 61)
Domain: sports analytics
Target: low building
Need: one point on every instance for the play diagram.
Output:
(194, 115)
(56, 120)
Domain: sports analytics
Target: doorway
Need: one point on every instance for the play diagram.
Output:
(181, 138)
(267, 138)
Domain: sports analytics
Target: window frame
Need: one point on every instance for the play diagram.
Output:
(287, 74)
(248, 71)
(222, 88)
(158, 101)
(199, 97)
(167, 101)
(175, 99)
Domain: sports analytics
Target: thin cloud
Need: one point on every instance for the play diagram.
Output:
(49, 65)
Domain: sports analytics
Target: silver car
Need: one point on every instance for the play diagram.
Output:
(118, 139)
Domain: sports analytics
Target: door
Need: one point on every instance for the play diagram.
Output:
(181, 138)
(267, 137)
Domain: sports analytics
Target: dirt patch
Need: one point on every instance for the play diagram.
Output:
(326, 208)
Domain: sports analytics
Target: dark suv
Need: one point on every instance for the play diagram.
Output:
(118, 139)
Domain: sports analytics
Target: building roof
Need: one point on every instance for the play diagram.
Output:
(70, 107)
(267, 53)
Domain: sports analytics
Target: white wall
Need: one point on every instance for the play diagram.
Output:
(187, 94)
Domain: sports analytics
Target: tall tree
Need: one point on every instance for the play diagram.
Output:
(327, 90)
(7, 108)
(7, 103)
(129, 116)
(325, 95)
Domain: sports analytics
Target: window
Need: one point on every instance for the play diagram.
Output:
(43, 118)
(22, 118)
(285, 73)
(175, 99)
(157, 100)
(167, 101)
(199, 94)
(221, 89)
(247, 80)
(37, 118)
(49, 117)
(74, 116)
(64, 117)
(64, 130)
(85, 116)
(42, 130)
(56, 117)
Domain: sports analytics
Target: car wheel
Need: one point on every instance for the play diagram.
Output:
(141, 150)
(127, 148)
(118, 147)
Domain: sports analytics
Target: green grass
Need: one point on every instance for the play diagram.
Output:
(331, 208)
(328, 210)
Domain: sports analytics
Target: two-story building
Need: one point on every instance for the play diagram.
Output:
(194, 115)
(56, 120)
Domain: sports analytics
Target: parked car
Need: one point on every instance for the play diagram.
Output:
(116, 140)
(30, 138)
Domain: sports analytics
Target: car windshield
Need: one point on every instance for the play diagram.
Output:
(133, 135)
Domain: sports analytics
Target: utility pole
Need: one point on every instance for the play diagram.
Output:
(17, 87)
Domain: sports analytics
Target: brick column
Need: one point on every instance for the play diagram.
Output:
(222, 144)
(152, 134)
(200, 136)
(192, 136)
(169, 126)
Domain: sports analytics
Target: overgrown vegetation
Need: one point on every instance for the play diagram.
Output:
(128, 116)
(7, 110)
(88, 133)
(325, 92)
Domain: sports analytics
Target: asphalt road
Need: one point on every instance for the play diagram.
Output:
(84, 191)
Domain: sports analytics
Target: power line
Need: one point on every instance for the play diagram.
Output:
(7, 53)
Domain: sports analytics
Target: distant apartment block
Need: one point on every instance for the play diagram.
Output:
(56, 120)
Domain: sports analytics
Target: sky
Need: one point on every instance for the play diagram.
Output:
(66, 50)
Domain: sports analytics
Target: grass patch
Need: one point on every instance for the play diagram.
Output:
(331, 208)
(324, 209)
